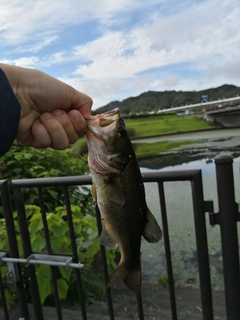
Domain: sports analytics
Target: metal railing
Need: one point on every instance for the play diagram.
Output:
(227, 218)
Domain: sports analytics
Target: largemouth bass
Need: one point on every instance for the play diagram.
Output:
(119, 192)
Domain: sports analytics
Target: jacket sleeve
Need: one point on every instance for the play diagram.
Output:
(10, 110)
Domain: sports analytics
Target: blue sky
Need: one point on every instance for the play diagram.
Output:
(114, 49)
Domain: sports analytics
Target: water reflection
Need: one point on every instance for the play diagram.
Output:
(204, 145)
(180, 216)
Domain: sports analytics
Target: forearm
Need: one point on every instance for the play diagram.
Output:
(10, 110)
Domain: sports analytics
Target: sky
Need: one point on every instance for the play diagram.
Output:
(115, 49)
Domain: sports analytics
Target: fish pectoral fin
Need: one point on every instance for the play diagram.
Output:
(94, 193)
(131, 277)
(152, 232)
(107, 241)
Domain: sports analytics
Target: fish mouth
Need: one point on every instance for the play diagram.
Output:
(96, 124)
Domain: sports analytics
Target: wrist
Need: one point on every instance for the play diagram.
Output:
(13, 75)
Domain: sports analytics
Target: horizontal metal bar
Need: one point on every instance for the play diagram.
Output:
(179, 175)
(59, 181)
(43, 260)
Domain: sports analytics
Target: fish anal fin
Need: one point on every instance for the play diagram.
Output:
(106, 240)
(152, 232)
(131, 277)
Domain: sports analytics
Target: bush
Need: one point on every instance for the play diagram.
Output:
(23, 163)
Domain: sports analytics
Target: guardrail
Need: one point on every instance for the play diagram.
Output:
(227, 218)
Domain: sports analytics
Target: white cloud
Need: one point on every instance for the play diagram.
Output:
(194, 35)
(127, 54)
(28, 20)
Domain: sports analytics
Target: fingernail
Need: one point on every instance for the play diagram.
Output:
(46, 115)
(57, 112)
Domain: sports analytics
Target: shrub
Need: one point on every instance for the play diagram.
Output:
(23, 163)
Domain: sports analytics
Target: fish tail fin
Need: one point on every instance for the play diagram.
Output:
(131, 277)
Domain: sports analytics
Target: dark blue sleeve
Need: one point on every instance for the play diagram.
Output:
(10, 110)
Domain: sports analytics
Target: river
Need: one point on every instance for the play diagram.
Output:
(199, 155)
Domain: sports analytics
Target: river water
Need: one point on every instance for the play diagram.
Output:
(199, 155)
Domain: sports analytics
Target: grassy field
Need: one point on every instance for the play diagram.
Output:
(160, 125)
(164, 124)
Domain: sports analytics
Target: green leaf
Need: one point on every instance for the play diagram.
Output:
(65, 273)
(35, 225)
(62, 288)
(59, 231)
(18, 156)
(53, 193)
(38, 244)
(44, 282)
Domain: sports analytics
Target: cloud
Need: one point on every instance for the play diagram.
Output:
(31, 20)
(173, 39)
(171, 81)
(230, 71)
(134, 46)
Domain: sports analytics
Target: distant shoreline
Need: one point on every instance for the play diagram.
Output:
(182, 132)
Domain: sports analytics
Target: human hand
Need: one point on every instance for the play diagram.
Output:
(52, 112)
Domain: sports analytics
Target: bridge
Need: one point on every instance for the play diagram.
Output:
(225, 112)
(204, 105)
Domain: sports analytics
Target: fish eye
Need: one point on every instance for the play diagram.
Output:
(122, 130)
(103, 122)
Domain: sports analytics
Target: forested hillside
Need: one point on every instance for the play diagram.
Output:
(155, 100)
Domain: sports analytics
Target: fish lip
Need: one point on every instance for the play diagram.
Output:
(111, 112)
(107, 114)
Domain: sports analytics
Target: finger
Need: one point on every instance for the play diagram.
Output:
(67, 124)
(82, 102)
(40, 136)
(78, 122)
(57, 133)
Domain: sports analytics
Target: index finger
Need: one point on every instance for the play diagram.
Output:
(83, 103)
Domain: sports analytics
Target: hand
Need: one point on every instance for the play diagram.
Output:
(52, 112)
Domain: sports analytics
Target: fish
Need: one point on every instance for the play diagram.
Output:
(119, 193)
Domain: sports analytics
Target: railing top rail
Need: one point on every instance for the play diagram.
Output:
(178, 175)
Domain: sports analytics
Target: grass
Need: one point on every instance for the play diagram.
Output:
(164, 124)
(150, 149)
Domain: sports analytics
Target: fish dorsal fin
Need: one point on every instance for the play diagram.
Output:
(106, 240)
(152, 232)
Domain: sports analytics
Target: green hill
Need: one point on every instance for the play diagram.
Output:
(155, 100)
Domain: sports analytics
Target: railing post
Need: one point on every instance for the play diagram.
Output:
(228, 217)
